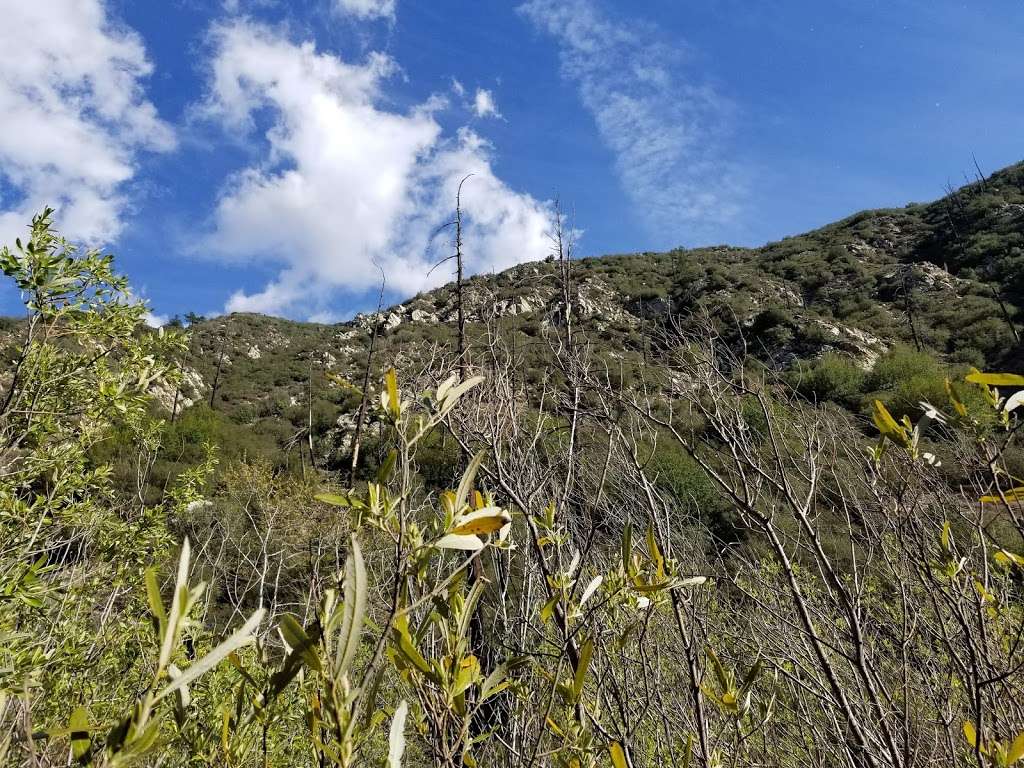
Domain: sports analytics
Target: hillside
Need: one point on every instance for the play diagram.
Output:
(945, 277)
(703, 481)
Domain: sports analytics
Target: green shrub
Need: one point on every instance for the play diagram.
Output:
(832, 377)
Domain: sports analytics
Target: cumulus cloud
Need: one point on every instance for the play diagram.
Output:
(346, 182)
(484, 105)
(367, 9)
(75, 116)
(665, 133)
(154, 320)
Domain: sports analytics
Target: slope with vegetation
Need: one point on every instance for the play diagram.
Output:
(715, 507)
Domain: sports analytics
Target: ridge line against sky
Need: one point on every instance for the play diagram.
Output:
(265, 156)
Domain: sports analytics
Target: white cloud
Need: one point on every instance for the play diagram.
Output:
(154, 320)
(74, 116)
(367, 9)
(666, 134)
(483, 104)
(345, 181)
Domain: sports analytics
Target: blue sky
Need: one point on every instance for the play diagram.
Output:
(267, 155)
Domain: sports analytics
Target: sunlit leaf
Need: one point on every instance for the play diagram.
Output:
(334, 499)
(483, 521)
(78, 724)
(239, 639)
(468, 542)
(396, 736)
(1014, 494)
(995, 379)
(591, 589)
(617, 754)
(354, 610)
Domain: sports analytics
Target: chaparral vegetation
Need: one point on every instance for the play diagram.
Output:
(725, 507)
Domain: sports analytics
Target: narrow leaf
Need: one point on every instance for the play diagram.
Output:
(581, 669)
(354, 608)
(995, 379)
(462, 492)
(466, 542)
(486, 520)
(396, 737)
(617, 754)
(241, 638)
(79, 727)
(591, 589)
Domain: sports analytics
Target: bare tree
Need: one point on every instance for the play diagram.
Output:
(364, 399)
(459, 298)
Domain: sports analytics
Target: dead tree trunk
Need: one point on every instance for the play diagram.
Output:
(361, 416)
(216, 375)
(458, 281)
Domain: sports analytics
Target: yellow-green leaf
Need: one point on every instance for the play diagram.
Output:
(79, 726)
(617, 754)
(1006, 558)
(995, 379)
(1016, 750)
(486, 520)
(971, 734)
(299, 641)
(586, 652)
(391, 383)
(1014, 494)
(887, 424)
(334, 499)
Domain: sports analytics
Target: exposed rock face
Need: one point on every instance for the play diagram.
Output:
(188, 392)
(864, 347)
(422, 316)
(254, 352)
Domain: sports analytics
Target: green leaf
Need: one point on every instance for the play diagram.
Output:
(396, 736)
(724, 678)
(581, 669)
(995, 379)
(548, 608)
(627, 547)
(751, 678)
(387, 468)
(80, 741)
(239, 639)
(156, 603)
(466, 483)
(334, 499)
(299, 641)
(178, 602)
(408, 649)
(356, 588)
